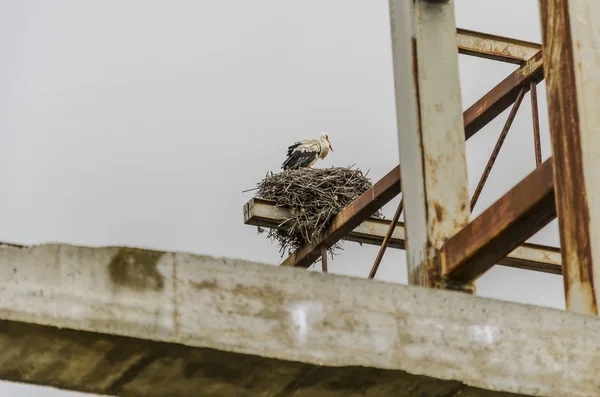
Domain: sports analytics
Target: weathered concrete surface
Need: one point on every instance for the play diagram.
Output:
(142, 323)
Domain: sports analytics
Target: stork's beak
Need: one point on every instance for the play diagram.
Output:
(330, 147)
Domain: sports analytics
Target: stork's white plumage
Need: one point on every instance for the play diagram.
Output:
(305, 153)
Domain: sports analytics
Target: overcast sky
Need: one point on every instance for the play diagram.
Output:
(141, 122)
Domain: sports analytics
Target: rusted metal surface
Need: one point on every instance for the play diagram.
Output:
(511, 220)
(493, 100)
(386, 239)
(540, 258)
(324, 259)
(441, 131)
(372, 231)
(498, 48)
(481, 113)
(534, 257)
(571, 40)
(496, 151)
(536, 123)
(432, 148)
(502, 95)
(349, 218)
(405, 65)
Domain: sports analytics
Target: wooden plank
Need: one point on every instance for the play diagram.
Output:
(138, 323)
(505, 225)
(430, 132)
(540, 258)
(571, 40)
(349, 218)
(502, 95)
(498, 48)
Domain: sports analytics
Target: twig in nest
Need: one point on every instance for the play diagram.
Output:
(315, 196)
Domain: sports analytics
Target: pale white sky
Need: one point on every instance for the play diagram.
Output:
(141, 122)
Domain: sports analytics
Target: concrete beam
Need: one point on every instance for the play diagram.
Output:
(132, 322)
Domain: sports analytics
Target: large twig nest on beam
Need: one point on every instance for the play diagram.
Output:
(315, 196)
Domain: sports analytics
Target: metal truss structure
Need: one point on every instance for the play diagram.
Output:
(446, 248)
(135, 322)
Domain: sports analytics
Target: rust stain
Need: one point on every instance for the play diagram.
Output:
(517, 215)
(501, 96)
(458, 224)
(430, 168)
(431, 163)
(430, 273)
(440, 211)
(136, 269)
(571, 196)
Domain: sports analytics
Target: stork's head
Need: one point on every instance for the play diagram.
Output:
(325, 138)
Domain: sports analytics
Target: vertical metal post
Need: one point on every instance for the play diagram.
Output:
(536, 123)
(324, 259)
(571, 38)
(431, 132)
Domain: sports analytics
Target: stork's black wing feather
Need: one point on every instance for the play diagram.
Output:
(299, 160)
(292, 147)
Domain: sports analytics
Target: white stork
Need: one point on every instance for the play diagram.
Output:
(305, 153)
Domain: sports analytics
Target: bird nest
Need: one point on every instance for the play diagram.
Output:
(314, 196)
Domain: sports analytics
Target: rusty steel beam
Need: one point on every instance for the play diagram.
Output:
(386, 239)
(498, 48)
(571, 40)
(324, 259)
(497, 147)
(516, 216)
(534, 257)
(537, 146)
(349, 218)
(499, 97)
(264, 213)
(430, 130)
(502, 95)
(477, 116)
